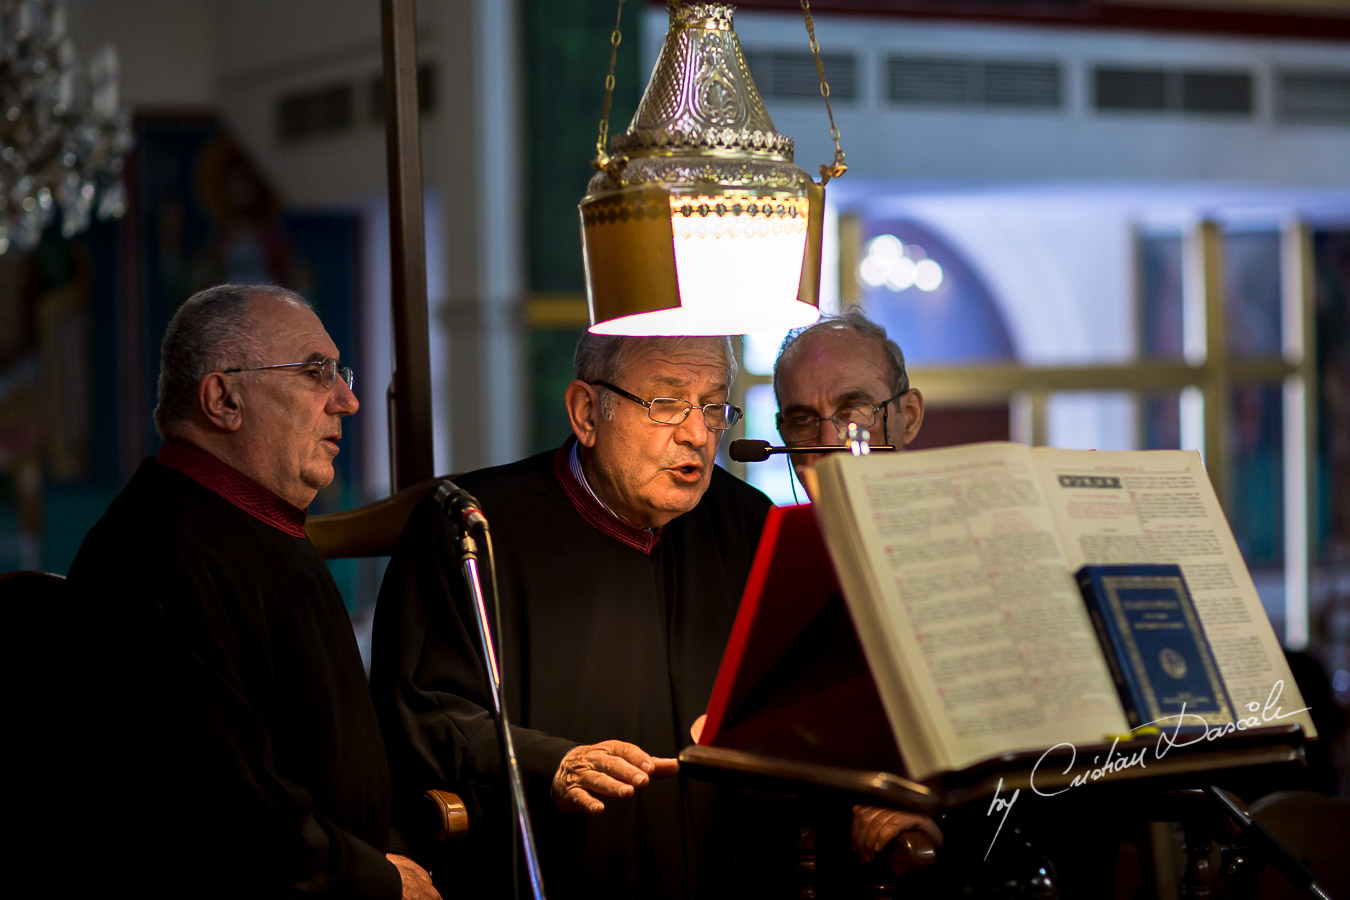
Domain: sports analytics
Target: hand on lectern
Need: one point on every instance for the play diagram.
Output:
(874, 827)
(606, 769)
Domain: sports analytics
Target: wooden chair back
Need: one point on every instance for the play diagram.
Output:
(370, 530)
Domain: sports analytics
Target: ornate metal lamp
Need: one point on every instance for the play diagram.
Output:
(700, 223)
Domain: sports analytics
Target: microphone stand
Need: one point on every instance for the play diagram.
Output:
(452, 499)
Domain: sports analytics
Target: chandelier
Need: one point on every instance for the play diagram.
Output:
(63, 134)
(699, 223)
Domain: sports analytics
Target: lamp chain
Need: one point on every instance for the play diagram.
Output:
(838, 167)
(602, 159)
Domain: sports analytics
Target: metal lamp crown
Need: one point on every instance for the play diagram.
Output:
(700, 223)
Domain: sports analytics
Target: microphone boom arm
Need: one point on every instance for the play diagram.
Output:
(748, 451)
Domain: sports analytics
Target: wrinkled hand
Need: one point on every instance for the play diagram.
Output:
(606, 769)
(874, 827)
(416, 881)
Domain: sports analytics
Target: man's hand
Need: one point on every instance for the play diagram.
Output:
(606, 769)
(874, 827)
(416, 881)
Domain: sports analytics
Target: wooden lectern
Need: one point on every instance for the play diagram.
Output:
(795, 710)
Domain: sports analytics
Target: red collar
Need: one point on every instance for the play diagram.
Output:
(232, 485)
(600, 518)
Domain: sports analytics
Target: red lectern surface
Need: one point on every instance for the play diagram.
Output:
(790, 582)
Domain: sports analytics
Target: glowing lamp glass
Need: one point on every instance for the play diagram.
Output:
(738, 264)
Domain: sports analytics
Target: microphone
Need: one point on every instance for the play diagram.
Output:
(459, 505)
(747, 451)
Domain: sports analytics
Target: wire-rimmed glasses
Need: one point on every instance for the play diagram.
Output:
(326, 371)
(803, 428)
(673, 411)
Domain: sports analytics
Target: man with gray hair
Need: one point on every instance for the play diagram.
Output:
(843, 369)
(240, 755)
(621, 558)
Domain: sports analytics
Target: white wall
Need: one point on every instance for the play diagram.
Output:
(470, 156)
(168, 48)
(884, 141)
(268, 50)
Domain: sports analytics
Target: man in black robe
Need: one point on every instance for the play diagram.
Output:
(841, 370)
(846, 369)
(235, 752)
(620, 562)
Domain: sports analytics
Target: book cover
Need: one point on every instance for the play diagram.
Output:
(1155, 645)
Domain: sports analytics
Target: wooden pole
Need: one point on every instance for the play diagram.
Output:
(411, 455)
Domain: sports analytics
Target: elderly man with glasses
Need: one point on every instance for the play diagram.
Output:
(839, 371)
(621, 558)
(233, 744)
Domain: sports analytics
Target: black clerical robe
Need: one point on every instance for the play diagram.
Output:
(234, 750)
(608, 632)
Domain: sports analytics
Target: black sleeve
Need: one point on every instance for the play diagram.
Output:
(429, 684)
(197, 804)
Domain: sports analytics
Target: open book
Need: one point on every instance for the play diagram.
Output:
(958, 568)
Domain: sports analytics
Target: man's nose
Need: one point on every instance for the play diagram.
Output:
(342, 399)
(693, 430)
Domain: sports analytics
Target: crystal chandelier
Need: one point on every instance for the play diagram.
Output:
(63, 134)
(699, 222)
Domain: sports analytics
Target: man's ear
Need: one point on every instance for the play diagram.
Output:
(583, 411)
(911, 404)
(220, 402)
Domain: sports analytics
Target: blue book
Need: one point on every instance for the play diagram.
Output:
(1155, 646)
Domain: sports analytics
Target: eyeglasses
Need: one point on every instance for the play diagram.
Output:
(670, 411)
(325, 371)
(801, 428)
